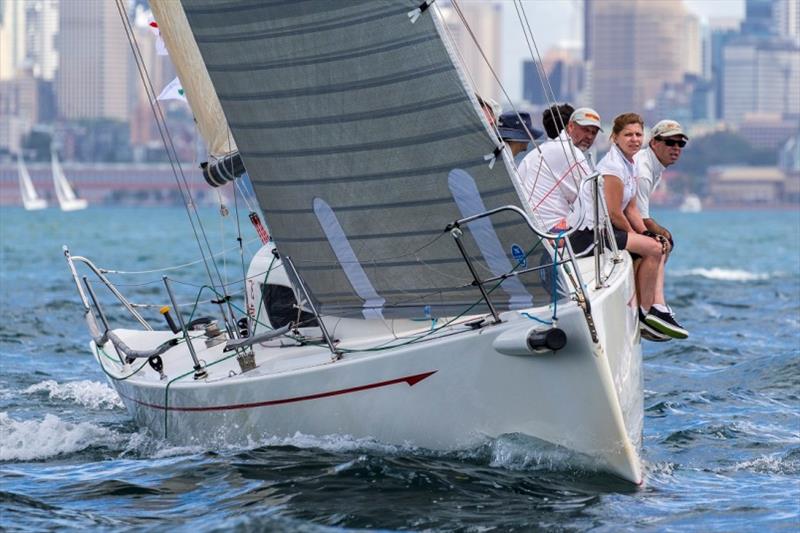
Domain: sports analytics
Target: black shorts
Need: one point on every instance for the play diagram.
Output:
(583, 239)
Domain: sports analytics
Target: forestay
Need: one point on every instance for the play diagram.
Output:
(363, 143)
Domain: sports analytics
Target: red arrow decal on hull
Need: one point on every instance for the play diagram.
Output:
(410, 380)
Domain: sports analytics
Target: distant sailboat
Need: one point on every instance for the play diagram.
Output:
(30, 199)
(691, 204)
(67, 199)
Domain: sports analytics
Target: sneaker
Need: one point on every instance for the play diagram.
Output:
(652, 335)
(649, 333)
(665, 323)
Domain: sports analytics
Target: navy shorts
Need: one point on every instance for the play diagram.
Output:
(583, 239)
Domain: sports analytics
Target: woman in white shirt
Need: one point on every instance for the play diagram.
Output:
(619, 188)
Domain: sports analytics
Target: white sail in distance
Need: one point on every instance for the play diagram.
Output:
(193, 76)
(30, 199)
(363, 142)
(67, 199)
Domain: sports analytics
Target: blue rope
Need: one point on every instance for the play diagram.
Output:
(537, 319)
(555, 275)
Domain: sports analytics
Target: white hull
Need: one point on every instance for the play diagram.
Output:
(449, 392)
(34, 205)
(691, 204)
(74, 205)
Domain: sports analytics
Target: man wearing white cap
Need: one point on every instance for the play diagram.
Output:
(667, 140)
(552, 173)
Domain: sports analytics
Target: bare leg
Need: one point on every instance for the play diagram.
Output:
(649, 274)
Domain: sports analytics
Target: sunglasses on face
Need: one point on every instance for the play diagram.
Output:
(674, 142)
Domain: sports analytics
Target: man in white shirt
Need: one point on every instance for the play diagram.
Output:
(552, 173)
(667, 140)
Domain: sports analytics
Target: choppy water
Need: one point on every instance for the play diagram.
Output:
(722, 431)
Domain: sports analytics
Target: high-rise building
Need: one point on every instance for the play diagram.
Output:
(94, 59)
(758, 18)
(760, 76)
(40, 40)
(636, 46)
(12, 38)
(787, 19)
(564, 73)
(484, 19)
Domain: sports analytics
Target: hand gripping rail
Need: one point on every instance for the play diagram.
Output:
(582, 297)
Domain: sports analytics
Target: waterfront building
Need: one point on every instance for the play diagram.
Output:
(733, 185)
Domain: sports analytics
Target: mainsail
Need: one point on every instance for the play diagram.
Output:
(363, 142)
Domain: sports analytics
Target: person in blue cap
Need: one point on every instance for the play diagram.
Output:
(517, 131)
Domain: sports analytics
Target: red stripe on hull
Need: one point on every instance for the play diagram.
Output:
(410, 380)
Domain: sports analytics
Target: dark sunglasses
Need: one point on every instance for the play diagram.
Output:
(673, 142)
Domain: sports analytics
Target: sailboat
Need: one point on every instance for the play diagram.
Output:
(30, 199)
(691, 204)
(67, 199)
(407, 294)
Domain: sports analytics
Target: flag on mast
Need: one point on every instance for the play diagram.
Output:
(161, 49)
(173, 91)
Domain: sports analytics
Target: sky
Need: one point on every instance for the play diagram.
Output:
(553, 21)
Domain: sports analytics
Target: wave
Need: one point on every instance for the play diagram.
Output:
(722, 274)
(27, 440)
(92, 394)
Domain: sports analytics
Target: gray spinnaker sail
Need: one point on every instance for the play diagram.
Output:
(363, 142)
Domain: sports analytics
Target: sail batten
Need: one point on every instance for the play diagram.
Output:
(363, 143)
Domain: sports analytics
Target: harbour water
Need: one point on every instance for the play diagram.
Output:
(722, 419)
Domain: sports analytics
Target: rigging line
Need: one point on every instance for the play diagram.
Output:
(166, 138)
(238, 183)
(174, 267)
(489, 65)
(241, 251)
(528, 31)
(474, 85)
(508, 99)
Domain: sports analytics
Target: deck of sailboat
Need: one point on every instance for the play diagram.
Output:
(355, 339)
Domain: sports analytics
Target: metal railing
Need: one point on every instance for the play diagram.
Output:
(577, 282)
(125, 303)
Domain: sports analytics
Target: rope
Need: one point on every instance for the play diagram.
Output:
(170, 268)
(172, 154)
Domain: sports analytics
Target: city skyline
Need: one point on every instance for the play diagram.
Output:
(557, 21)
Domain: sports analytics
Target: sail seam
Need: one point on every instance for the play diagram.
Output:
(352, 53)
(397, 174)
(348, 21)
(370, 83)
(392, 205)
(424, 105)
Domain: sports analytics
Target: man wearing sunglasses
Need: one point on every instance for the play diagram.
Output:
(667, 140)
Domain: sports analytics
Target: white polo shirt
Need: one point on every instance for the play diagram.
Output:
(550, 178)
(649, 170)
(613, 163)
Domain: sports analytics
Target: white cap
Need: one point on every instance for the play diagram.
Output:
(586, 116)
(668, 128)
